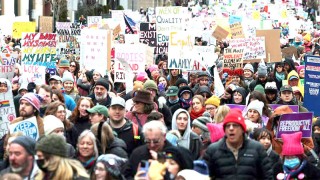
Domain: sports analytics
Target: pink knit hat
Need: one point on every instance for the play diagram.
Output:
(33, 99)
(299, 68)
(292, 145)
(216, 131)
(153, 68)
(142, 76)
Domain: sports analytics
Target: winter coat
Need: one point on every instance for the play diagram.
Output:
(32, 174)
(252, 163)
(117, 147)
(300, 86)
(69, 102)
(105, 102)
(81, 124)
(309, 170)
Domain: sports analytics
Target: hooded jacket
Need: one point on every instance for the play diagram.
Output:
(243, 92)
(189, 139)
(290, 62)
(117, 147)
(300, 86)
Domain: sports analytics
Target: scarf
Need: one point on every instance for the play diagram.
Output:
(88, 164)
(185, 103)
(280, 76)
(293, 173)
(195, 115)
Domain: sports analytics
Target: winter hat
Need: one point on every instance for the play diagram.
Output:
(262, 70)
(52, 144)
(184, 89)
(286, 88)
(143, 96)
(189, 174)
(299, 68)
(213, 100)
(271, 87)
(99, 109)
(51, 123)
(67, 76)
(242, 91)
(64, 63)
(31, 87)
(292, 145)
(150, 84)
(259, 88)
(180, 81)
(15, 80)
(33, 99)
(153, 68)
(216, 131)
(307, 37)
(142, 76)
(102, 82)
(23, 87)
(172, 91)
(204, 89)
(89, 75)
(137, 85)
(100, 71)
(202, 74)
(182, 156)
(27, 143)
(112, 163)
(256, 105)
(235, 116)
(249, 66)
(201, 167)
(201, 122)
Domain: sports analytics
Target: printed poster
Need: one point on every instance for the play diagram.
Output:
(29, 127)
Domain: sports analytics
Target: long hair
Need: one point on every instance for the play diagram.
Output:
(59, 94)
(157, 81)
(92, 137)
(62, 168)
(52, 110)
(221, 113)
(201, 99)
(76, 71)
(75, 113)
(104, 134)
(148, 108)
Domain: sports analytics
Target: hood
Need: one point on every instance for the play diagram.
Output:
(291, 63)
(174, 126)
(204, 89)
(243, 92)
(8, 83)
(118, 143)
(300, 86)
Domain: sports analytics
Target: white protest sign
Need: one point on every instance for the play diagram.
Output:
(7, 63)
(68, 41)
(254, 47)
(29, 127)
(34, 73)
(204, 55)
(94, 22)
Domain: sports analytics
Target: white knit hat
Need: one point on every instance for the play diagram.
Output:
(249, 67)
(271, 85)
(256, 105)
(51, 123)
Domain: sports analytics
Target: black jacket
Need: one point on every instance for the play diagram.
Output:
(81, 124)
(276, 163)
(117, 147)
(106, 102)
(252, 162)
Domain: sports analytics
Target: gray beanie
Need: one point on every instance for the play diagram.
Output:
(27, 143)
(262, 70)
(201, 122)
(67, 76)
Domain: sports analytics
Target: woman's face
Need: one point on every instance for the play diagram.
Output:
(16, 70)
(86, 147)
(164, 65)
(196, 104)
(72, 67)
(55, 98)
(163, 81)
(186, 95)
(237, 97)
(270, 96)
(286, 67)
(100, 171)
(227, 95)
(236, 80)
(279, 68)
(174, 72)
(61, 113)
(247, 73)
(253, 115)
(182, 121)
(301, 73)
(139, 107)
(96, 76)
(172, 166)
(68, 86)
(84, 105)
(266, 142)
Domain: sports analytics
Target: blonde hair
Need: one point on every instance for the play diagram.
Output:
(221, 113)
(62, 168)
(107, 136)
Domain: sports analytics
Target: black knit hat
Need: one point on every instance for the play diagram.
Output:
(182, 156)
(27, 143)
(317, 122)
(89, 75)
(52, 144)
(180, 81)
(143, 96)
(103, 82)
(184, 89)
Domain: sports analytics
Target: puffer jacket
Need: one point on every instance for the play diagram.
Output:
(252, 163)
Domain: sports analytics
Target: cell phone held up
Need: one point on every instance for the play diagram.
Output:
(144, 166)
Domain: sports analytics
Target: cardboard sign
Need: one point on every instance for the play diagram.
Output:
(236, 30)
(294, 108)
(312, 84)
(295, 122)
(203, 57)
(289, 52)
(116, 30)
(7, 63)
(68, 39)
(39, 49)
(180, 50)
(232, 58)
(219, 33)
(254, 48)
(94, 22)
(271, 41)
(22, 27)
(148, 34)
(7, 110)
(45, 24)
(29, 127)
(94, 49)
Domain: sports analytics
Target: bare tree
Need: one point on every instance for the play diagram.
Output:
(59, 9)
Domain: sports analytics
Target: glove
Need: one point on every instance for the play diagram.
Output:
(161, 87)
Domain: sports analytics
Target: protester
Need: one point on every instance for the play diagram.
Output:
(227, 95)
(197, 108)
(239, 96)
(287, 98)
(271, 92)
(64, 66)
(279, 74)
(172, 96)
(45, 92)
(248, 74)
(100, 93)
(74, 69)
(202, 80)
(162, 84)
(173, 76)
(211, 105)
(267, 110)
(108, 166)
(253, 116)
(97, 114)
(85, 83)
(4, 163)
(199, 126)
(69, 86)
(185, 95)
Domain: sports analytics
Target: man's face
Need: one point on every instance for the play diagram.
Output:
(193, 80)
(26, 110)
(68, 86)
(19, 158)
(3, 88)
(174, 72)
(286, 96)
(100, 92)
(116, 113)
(45, 95)
(203, 81)
(293, 82)
(234, 133)
(55, 84)
(154, 139)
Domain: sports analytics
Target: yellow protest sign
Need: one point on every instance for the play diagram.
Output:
(19, 27)
(236, 30)
(284, 14)
(256, 15)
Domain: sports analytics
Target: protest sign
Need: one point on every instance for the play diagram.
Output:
(134, 55)
(34, 73)
(68, 41)
(254, 48)
(94, 49)
(116, 30)
(161, 48)
(232, 58)
(220, 33)
(94, 22)
(294, 108)
(148, 34)
(180, 50)
(131, 38)
(289, 52)
(271, 40)
(7, 63)
(7, 110)
(39, 49)
(22, 27)
(312, 84)
(235, 19)
(295, 122)
(203, 57)
(233, 106)
(236, 30)
(29, 127)
(45, 24)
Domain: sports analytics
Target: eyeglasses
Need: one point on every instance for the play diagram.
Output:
(228, 126)
(210, 108)
(154, 141)
(99, 169)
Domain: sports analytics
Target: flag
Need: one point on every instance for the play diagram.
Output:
(4, 103)
(130, 25)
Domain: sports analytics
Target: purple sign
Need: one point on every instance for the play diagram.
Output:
(295, 122)
(294, 108)
(232, 106)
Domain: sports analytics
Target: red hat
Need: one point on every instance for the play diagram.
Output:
(235, 116)
(292, 144)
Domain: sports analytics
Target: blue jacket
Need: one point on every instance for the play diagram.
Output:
(69, 102)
